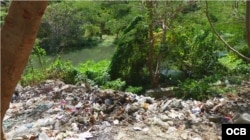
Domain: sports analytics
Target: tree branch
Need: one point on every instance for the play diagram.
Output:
(217, 34)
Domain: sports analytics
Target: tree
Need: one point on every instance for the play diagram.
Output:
(62, 28)
(153, 77)
(95, 17)
(160, 17)
(121, 14)
(248, 23)
(130, 57)
(224, 41)
(18, 35)
(140, 48)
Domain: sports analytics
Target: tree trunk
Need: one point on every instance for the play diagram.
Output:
(151, 44)
(248, 23)
(18, 35)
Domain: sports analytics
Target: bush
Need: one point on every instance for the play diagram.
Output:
(137, 90)
(117, 84)
(63, 70)
(70, 76)
(194, 89)
(35, 70)
(230, 62)
(32, 76)
(96, 72)
(243, 69)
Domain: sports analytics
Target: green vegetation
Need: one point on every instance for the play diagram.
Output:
(135, 46)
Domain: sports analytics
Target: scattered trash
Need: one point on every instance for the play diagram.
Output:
(86, 135)
(116, 122)
(242, 119)
(226, 119)
(54, 110)
(196, 110)
(137, 129)
(43, 136)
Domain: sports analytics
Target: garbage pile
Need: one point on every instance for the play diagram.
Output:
(54, 110)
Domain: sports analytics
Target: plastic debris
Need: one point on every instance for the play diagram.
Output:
(137, 129)
(86, 135)
(43, 136)
(196, 110)
(116, 122)
(63, 111)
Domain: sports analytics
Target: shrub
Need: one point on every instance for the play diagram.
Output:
(117, 84)
(32, 76)
(230, 62)
(132, 89)
(243, 68)
(194, 89)
(35, 70)
(96, 72)
(63, 70)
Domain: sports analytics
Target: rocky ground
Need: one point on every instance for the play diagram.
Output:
(55, 111)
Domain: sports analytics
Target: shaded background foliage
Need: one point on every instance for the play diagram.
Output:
(185, 53)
